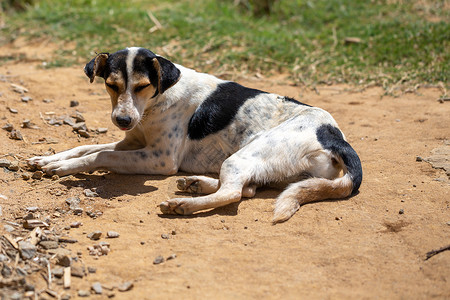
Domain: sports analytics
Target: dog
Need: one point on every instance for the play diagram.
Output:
(177, 119)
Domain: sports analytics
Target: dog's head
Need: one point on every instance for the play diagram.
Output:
(133, 76)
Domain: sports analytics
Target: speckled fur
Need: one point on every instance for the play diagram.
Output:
(270, 139)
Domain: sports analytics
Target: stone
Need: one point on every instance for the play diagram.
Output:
(5, 163)
(97, 288)
(58, 272)
(19, 89)
(92, 270)
(8, 127)
(126, 286)
(84, 133)
(74, 103)
(79, 126)
(26, 99)
(73, 202)
(37, 175)
(75, 224)
(14, 166)
(90, 193)
(27, 250)
(16, 135)
(165, 236)
(49, 244)
(83, 293)
(158, 260)
(112, 234)
(78, 117)
(77, 271)
(32, 209)
(102, 130)
(95, 235)
(13, 110)
(63, 260)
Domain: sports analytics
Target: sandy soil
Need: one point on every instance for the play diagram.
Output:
(361, 247)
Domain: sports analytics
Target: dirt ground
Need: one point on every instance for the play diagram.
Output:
(372, 245)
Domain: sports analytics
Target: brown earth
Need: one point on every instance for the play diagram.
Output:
(361, 247)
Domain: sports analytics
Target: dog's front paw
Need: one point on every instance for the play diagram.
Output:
(61, 168)
(37, 161)
(175, 207)
(189, 185)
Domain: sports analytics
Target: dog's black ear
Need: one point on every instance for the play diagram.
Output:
(96, 66)
(168, 73)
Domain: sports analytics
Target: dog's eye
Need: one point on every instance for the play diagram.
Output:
(140, 88)
(115, 88)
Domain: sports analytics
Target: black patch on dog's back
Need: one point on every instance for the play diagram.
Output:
(332, 139)
(219, 109)
(295, 101)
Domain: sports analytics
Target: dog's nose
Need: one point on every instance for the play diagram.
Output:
(123, 122)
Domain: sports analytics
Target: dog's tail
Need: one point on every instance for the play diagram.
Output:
(316, 189)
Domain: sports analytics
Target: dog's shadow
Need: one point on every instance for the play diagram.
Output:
(110, 185)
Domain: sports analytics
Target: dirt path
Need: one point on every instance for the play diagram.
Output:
(372, 245)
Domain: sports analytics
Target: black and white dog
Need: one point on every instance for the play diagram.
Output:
(176, 119)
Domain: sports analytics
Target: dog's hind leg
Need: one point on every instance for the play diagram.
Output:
(208, 185)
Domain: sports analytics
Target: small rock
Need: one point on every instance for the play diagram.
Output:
(75, 224)
(73, 202)
(90, 193)
(26, 176)
(28, 124)
(47, 100)
(27, 250)
(8, 127)
(79, 126)
(126, 286)
(6, 271)
(58, 272)
(5, 163)
(174, 232)
(8, 228)
(165, 236)
(49, 244)
(3, 258)
(83, 293)
(74, 103)
(95, 235)
(92, 270)
(15, 135)
(158, 260)
(78, 117)
(32, 209)
(26, 99)
(55, 177)
(13, 110)
(97, 288)
(63, 260)
(19, 89)
(418, 158)
(21, 271)
(69, 121)
(112, 234)
(77, 271)
(172, 256)
(401, 211)
(37, 175)
(14, 166)
(102, 130)
(84, 133)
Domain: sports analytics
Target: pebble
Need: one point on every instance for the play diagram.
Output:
(14, 166)
(13, 110)
(63, 260)
(92, 270)
(79, 126)
(90, 193)
(49, 244)
(5, 163)
(58, 272)
(19, 89)
(75, 224)
(78, 117)
(47, 100)
(16, 135)
(8, 127)
(158, 260)
(8, 228)
(73, 202)
(165, 236)
(27, 250)
(26, 176)
(126, 286)
(84, 133)
(112, 234)
(401, 211)
(97, 288)
(26, 99)
(83, 293)
(102, 130)
(3, 258)
(172, 256)
(95, 235)
(32, 209)
(37, 175)
(77, 271)
(74, 103)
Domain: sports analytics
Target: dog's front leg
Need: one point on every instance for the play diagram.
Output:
(140, 161)
(41, 161)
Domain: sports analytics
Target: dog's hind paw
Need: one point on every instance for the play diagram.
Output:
(189, 184)
(172, 207)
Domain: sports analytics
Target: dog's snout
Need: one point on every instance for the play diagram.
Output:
(123, 122)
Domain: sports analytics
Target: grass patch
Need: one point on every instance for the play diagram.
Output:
(394, 41)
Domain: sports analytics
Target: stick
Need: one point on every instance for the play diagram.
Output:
(434, 252)
(67, 278)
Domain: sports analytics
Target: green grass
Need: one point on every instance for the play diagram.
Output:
(401, 41)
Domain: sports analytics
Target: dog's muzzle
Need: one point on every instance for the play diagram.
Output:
(123, 122)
